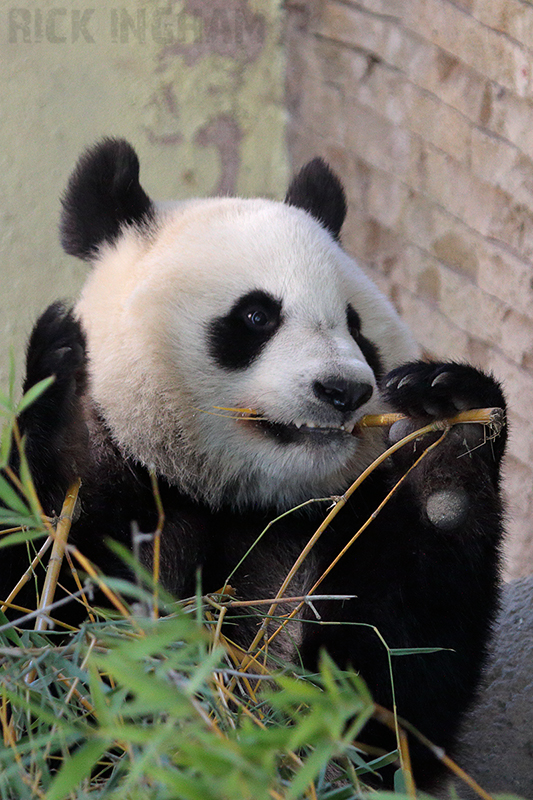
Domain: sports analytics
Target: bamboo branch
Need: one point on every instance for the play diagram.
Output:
(482, 416)
(341, 502)
(109, 593)
(23, 580)
(58, 551)
(157, 541)
(493, 417)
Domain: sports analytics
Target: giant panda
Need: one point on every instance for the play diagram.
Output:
(226, 303)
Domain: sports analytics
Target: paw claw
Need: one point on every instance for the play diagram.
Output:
(407, 380)
(438, 391)
(441, 379)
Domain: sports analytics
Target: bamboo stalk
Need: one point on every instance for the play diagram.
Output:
(330, 516)
(109, 593)
(157, 542)
(405, 760)
(26, 576)
(60, 537)
(279, 599)
(483, 416)
(58, 553)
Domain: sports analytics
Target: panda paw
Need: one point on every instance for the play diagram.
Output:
(56, 348)
(426, 392)
(439, 390)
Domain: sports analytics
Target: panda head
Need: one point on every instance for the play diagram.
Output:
(228, 303)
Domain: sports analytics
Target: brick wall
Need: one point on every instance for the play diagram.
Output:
(425, 108)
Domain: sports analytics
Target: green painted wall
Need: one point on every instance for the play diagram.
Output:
(196, 86)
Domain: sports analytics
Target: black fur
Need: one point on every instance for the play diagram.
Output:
(317, 190)
(440, 389)
(236, 339)
(368, 348)
(103, 195)
(54, 426)
(418, 584)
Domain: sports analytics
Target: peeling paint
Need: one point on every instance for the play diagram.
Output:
(225, 134)
(202, 100)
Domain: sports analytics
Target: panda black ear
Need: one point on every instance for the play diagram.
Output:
(318, 190)
(102, 195)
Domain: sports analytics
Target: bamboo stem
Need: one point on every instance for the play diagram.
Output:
(157, 542)
(60, 537)
(357, 534)
(58, 553)
(26, 576)
(483, 416)
(331, 515)
(111, 596)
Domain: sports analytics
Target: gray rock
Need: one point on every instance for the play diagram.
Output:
(496, 746)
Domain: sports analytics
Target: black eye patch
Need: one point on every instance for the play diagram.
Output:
(353, 321)
(236, 339)
(368, 348)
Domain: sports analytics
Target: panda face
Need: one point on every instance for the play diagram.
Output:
(307, 379)
(239, 304)
(219, 304)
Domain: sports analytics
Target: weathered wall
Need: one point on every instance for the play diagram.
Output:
(425, 108)
(198, 90)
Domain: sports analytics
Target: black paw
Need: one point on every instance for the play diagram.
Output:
(425, 392)
(439, 390)
(56, 348)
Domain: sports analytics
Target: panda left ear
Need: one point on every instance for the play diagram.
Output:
(318, 190)
(102, 195)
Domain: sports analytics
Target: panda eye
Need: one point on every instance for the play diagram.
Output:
(236, 339)
(354, 323)
(259, 319)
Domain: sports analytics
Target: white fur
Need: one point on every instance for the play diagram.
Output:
(146, 307)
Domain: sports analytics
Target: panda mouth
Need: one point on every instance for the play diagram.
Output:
(292, 433)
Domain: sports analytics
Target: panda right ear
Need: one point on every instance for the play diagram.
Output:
(318, 191)
(102, 195)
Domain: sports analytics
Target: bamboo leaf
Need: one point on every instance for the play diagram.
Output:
(76, 768)
(6, 540)
(10, 498)
(34, 392)
(414, 651)
(10, 633)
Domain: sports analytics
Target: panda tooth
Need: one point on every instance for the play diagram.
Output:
(311, 425)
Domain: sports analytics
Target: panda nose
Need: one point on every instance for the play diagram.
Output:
(342, 394)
